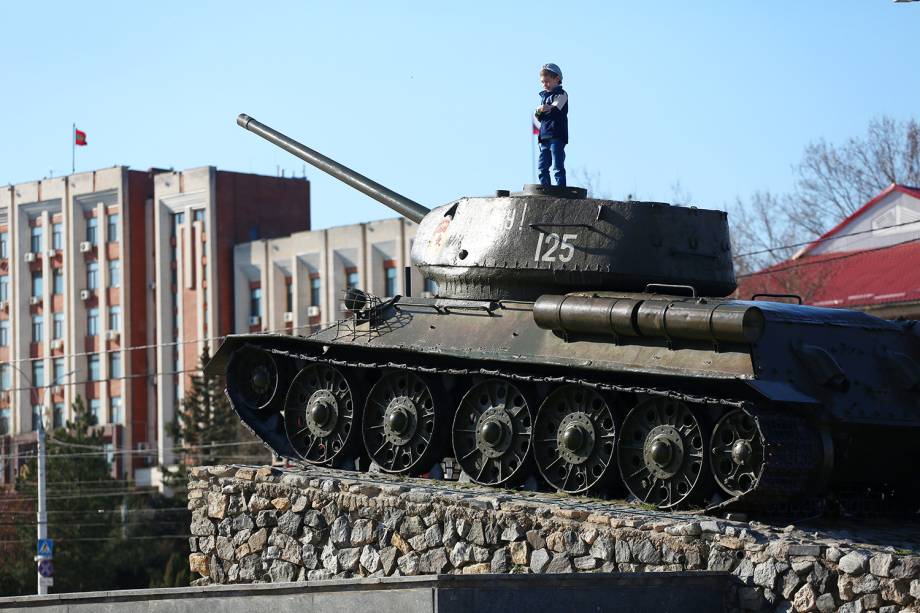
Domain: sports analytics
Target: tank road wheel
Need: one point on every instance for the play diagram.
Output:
(574, 436)
(319, 415)
(400, 423)
(491, 433)
(252, 377)
(661, 453)
(736, 452)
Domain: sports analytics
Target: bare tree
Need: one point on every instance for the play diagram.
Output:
(834, 181)
(591, 181)
(679, 195)
(762, 232)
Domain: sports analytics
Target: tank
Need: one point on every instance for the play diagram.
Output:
(586, 346)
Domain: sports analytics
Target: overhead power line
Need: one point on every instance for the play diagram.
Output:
(816, 261)
(194, 450)
(204, 339)
(147, 375)
(150, 510)
(101, 539)
(817, 241)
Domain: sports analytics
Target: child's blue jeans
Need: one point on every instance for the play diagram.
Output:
(552, 152)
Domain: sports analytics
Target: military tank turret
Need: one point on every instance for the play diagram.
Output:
(586, 345)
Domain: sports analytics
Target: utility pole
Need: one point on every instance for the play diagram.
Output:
(42, 511)
(45, 546)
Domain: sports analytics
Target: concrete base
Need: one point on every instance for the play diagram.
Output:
(689, 592)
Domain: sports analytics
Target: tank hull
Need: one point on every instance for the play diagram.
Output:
(764, 419)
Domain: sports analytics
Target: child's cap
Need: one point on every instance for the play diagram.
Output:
(553, 68)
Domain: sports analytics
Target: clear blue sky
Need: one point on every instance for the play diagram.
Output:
(433, 99)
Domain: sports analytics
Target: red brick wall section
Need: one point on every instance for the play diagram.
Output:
(134, 254)
(270, 206)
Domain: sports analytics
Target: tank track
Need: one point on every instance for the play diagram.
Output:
(790, 449)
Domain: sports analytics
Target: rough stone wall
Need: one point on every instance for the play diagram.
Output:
(259, 524)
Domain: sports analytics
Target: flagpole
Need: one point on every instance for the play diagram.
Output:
(73, 148)
(533, 156)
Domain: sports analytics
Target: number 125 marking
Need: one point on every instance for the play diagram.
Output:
(557, 249)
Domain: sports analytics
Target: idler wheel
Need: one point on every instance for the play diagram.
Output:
(491, 433)
(252, 377)
(574, 439)
(319, 415)
(401, 424)
(661, 453)
(737, 452)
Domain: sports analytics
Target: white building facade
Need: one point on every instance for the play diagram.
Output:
(296, 283)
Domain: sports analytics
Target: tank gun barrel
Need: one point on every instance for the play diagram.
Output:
(407, 208)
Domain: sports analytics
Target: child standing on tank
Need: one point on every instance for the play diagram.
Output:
(553, 115)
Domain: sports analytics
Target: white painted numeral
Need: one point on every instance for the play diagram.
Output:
(553, 244)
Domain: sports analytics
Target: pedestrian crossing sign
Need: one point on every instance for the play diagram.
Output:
(45, 548)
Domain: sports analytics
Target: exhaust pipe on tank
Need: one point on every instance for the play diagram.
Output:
(721, 322)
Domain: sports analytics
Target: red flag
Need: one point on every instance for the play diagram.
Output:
(79, 138)
(535, 124)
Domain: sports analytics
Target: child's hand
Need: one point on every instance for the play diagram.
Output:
(546, 108)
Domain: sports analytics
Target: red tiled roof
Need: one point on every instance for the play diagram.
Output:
(894, 187)
(851, 279)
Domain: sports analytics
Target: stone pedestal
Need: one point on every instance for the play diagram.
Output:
(259, 524)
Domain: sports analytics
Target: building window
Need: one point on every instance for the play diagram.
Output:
(390, 288)
(38, 373)
(351, 278)
(115, 371)
(5, 421)
(92, 227)
(255, 302)
(289, 297)
(198, 215)
(57, 235)
(95, 409)
(57, 415)
(92, 275)
(114, 273)
(38, 287)
(4, 245)
(4, 332)
(58, 326)
(94, 371)
(36, 417)
(4, 287)
(57, 370)
(114, 317)
(6, 376)
(111, 233)
(92, 322)
(314, 291)
(36, 242)
(117, 411)
(38, 328)
(58, 281)
(431, 286)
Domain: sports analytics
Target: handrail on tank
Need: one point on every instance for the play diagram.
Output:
(407, 208)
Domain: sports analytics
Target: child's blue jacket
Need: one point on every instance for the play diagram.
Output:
(555, 124)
